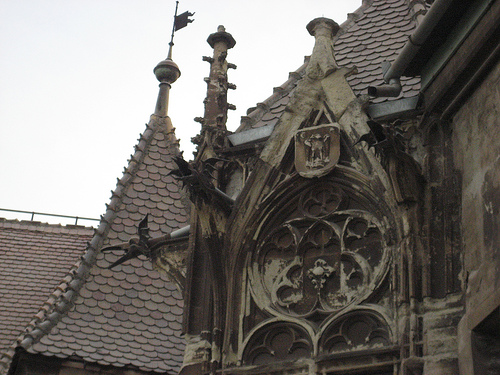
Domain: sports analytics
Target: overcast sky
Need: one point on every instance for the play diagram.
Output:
(77, 85)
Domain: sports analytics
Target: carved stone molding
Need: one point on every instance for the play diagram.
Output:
(364, 330)
(356, 330)
(317, 150)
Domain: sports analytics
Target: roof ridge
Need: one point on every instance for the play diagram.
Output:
(44, 227)
(352, 18)
(81, 270)
(256, 113)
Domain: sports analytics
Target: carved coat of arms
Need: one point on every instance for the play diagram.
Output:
(317, 150)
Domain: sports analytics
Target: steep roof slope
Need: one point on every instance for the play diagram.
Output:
(375, 32)
(377, 35)
(131, 315)
(34, 259)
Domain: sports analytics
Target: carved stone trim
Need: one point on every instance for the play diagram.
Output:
(357, 330)
(319, 273)
(278, 342)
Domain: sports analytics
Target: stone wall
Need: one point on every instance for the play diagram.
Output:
(476, 132)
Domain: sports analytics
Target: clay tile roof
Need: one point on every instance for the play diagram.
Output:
(378, 35)
(35, 259)
(375, 32)
(125, 316)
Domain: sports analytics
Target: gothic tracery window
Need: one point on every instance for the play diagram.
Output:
(326, 251)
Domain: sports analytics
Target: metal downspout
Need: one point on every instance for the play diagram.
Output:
(393, 72)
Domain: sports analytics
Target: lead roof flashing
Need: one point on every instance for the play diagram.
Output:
(251, 135)
(393, 109)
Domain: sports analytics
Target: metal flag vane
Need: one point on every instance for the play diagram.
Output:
(180, 21)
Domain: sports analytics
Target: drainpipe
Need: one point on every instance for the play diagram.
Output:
(393, 72)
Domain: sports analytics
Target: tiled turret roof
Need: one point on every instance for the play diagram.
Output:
(131, 315)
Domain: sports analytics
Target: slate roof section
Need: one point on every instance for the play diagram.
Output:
(35, 259)
(375, 32)
(129, 316)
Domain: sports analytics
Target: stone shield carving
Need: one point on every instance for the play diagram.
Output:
(317, 150)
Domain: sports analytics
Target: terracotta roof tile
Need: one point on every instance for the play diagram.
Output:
(34, 258)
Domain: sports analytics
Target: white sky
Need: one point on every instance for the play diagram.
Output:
(77, 85)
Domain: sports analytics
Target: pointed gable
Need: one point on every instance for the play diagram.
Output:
(374, 33)
(312, 235)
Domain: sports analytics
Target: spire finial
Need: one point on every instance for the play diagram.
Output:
(216, 104)
(167, 71)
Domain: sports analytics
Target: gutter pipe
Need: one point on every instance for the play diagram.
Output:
(393, 72)
(181, 232)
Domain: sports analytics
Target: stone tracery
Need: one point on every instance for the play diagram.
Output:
(328, 255)
(278, 342)
(357, 330)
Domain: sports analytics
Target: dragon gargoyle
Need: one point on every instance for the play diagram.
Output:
(135, 246)
(199, 183)
(144, 244)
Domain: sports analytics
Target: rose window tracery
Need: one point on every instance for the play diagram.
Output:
(328, 252)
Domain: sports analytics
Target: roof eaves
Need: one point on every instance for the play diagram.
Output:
(45, 227)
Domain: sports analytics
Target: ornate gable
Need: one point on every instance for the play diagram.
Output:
(312, 237)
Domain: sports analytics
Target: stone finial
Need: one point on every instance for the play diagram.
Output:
(216, 105)
(221, 36)
(322, 62)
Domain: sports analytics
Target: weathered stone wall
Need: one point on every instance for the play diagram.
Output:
(476, 132)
